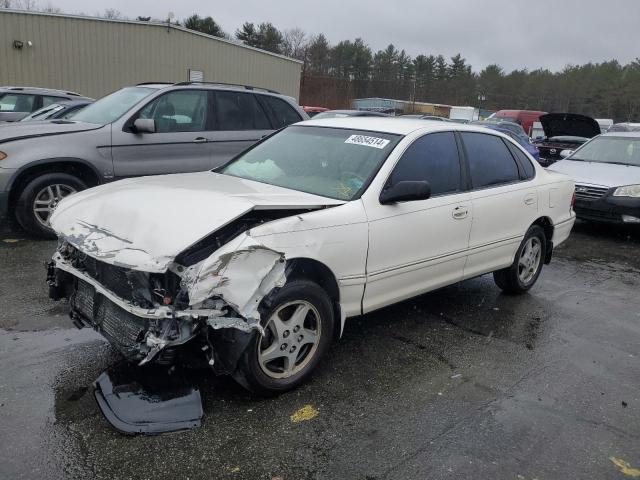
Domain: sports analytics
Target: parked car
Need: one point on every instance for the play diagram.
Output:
(513, 127)
(524, 118)
(564, 131)
(624, 127)
(605, 124)
(425, 117)
(349, 113)
(257, 264)
(515, 132)
(148, 129)
(606, 170)
(313, 111)
(18, 102)
(60, 110)
(537, 132)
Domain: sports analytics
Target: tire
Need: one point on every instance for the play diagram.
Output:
(40, 189)
(526, 267)
(262, 368)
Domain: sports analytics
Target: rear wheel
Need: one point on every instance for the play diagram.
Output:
(298, 328)
(40, 197)
(527, 265)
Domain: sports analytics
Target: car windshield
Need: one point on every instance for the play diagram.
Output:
(44, 112)
(620, 150)
(331, 162)
(112, 107)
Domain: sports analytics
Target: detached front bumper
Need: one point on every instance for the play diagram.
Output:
(609, 209)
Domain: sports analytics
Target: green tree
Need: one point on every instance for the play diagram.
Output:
(204, 25)
(318, 53)
(266, 36)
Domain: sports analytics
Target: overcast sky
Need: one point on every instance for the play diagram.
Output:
(512, 33)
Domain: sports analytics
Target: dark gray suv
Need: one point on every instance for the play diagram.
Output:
(149, 129)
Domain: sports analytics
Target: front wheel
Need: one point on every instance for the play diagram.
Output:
(40, 197)
(298, 326)
(527, 265)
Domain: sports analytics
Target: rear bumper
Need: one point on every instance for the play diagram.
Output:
(609, 209)
(562, 230)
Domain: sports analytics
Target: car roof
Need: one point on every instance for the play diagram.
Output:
(394, 125)
(211, 86)
(40, 91)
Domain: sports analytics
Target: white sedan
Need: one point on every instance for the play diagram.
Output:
(257, 264)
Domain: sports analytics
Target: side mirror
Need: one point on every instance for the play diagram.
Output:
(406, 191)
(144, 125)
(565, 153)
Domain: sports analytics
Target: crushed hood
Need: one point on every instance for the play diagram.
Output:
(144, 223)
(594, 173)
(10, 132)
(569, 124)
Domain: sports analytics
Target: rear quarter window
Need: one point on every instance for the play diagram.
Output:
(528, 170)
(282, 113)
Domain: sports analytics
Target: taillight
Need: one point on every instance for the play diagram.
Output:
(573, 199)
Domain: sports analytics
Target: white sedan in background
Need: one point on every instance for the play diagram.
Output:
(256, 265)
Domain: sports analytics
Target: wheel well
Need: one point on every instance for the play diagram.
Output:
(319, 273)
(77, 169)
(547, 226)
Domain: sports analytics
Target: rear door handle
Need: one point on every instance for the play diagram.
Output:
(200, 140)
(460, 212)
(529, 199)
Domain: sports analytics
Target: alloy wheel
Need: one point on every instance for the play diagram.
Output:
(47, 200)
(292, 335)
(529, 261)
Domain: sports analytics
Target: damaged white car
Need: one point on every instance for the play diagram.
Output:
(255, 266)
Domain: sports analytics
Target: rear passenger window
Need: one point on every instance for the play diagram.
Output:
(489, 160)
(283, 114)
(527, 167)
(433, 158)
(17, 102)
(240, 111)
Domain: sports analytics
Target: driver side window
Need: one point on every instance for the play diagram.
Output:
(434, 158)
(178, 111)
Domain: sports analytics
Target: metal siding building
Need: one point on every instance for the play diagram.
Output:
(95, 56)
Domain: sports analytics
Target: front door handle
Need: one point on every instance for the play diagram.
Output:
(460, 212)
(200, 140)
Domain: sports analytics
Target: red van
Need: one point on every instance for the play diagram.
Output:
(523, 117)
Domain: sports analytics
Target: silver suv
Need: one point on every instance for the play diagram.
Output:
(149, 129)
(18, 102)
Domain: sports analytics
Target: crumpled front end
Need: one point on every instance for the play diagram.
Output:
(149, 316)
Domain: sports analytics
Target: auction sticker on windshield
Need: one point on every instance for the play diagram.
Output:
(374, 142)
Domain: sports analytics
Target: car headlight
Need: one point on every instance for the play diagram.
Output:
(3, 155)
(627, 191)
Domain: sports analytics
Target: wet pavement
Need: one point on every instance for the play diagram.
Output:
(460, 383)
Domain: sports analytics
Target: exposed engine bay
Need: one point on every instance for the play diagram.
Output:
(148, 316)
